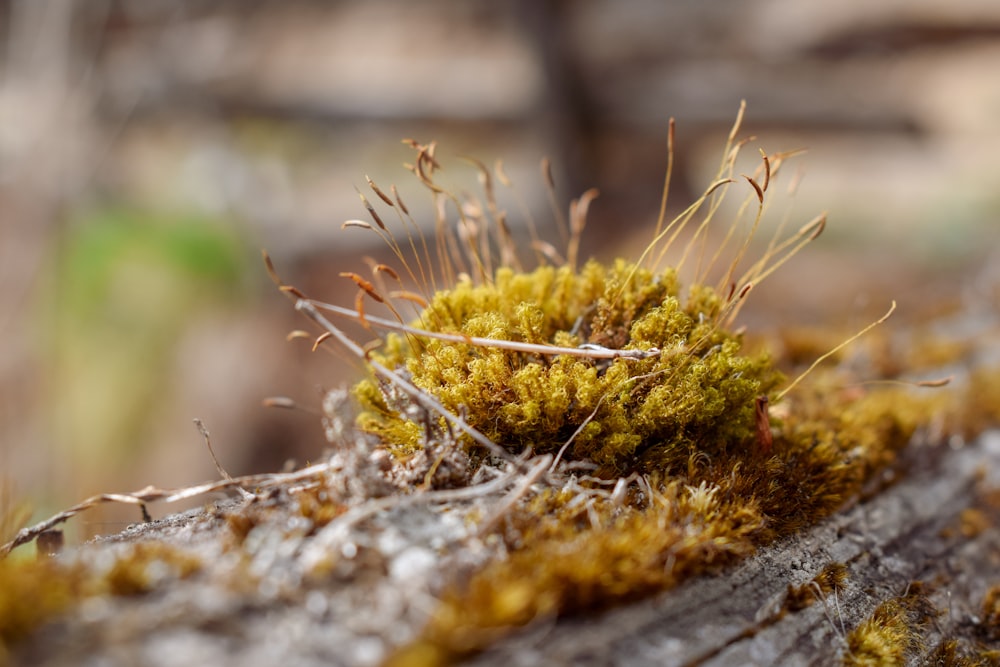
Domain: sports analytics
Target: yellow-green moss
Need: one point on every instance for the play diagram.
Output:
(567, 557)
(146, 564)
(892, 633)
(980, 407)
(627, 415)
(31, 593)
(35, 592)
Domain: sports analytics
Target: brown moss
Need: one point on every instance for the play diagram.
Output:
(316, 506)
(990, 623)
(973, 522)
(955, 653)
(951, 653)
(35, 592)
(831, 579)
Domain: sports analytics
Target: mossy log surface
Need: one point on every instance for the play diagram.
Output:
(910, 532)
(915, 527)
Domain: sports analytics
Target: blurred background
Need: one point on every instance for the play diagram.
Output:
(150, 148)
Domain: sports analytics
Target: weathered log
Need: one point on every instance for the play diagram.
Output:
(931, 521)
(910, 532)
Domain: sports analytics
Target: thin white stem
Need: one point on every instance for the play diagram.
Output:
(587, 350)
(423, 399)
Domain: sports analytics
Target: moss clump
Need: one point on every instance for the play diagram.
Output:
(627, 414)
(991, 614)
(146, 565)
(832, 579)
(36, 592)
(32, 593)
(892, 633)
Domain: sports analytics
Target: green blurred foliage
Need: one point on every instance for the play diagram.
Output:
(126, 286)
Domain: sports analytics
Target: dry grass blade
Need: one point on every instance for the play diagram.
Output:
(589, 351)
(399, 200)
(814, 227)
(282, 402)
(412, 297)
(757, 188)
(355, 223)
(550, 190)
(518, 492)
(215, 459)
(366, 286)
(372, 212)
(152, 494)
(767, 170)
(837, 349)
(381, 195)
(385, 268)
(925, 384)
(577, 222)
(421, 398)
(665, 193)
(320, 339)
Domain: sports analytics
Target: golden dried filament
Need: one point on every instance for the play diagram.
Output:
(319, 340)
(368, 288)
(757, 188)
(282, 402)
(412, 297)
(355, 223)
(837, 349)
(767, 170)
(385, 268)
(376, 190)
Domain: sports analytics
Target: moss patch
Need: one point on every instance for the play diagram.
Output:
(891, 634)
(36, 592)
(625, 415)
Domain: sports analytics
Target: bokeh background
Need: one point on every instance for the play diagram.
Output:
(150, 148)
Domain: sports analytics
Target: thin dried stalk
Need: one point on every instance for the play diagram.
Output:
(588, 351)
(152, 494)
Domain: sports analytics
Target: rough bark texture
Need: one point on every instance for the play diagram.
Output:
(912, 529)
(910, 532)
